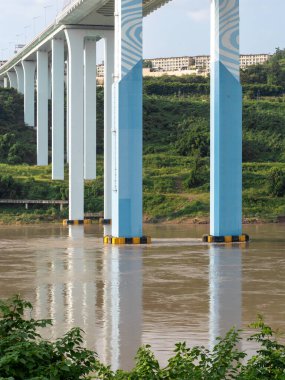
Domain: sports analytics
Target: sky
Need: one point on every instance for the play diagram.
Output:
(182, 27)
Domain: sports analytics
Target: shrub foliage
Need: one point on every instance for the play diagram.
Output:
(24, 354)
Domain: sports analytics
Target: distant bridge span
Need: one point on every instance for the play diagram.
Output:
(69, 45)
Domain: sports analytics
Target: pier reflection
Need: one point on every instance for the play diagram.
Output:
(80, 289)
(225, 283)
(69, 276)
(98, 289)
(122, 276)
(66, 287)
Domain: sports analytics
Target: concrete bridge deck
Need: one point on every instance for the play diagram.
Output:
(80, 14)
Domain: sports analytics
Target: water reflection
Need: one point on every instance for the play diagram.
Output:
(66, 287)
(98, 289)
(225, 282)
(122, 274)
(159, 295)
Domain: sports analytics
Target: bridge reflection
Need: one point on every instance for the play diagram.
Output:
(103, 297)
(100, 289)
(122, 274)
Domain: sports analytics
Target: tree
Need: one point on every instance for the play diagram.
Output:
(276, 180)
(193, 137)
(147, 64)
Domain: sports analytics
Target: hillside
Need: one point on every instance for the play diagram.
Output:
(176, 150)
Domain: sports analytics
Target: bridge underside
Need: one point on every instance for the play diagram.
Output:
(66, 53)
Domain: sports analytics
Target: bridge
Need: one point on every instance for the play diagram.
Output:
(68, 46)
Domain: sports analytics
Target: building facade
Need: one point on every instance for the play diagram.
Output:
(253, 59)
(172, 63)
(100, 70)
(199, 64)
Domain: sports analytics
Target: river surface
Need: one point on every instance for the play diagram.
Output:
(177, 289)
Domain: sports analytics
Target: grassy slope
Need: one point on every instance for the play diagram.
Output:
(167, 195)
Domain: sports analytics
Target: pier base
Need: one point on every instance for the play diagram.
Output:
(123, 240)
(69, 222)
(225, 239)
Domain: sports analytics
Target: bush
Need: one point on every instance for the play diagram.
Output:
(176, 88)
(20, 153)
(257, 90)
(93, 195)
(193, 135)
(9, 188)
(16, 152)
(199, 174)
(276, 180)
(25, 355)
(262, 146)
(11, 107)
(6, 141)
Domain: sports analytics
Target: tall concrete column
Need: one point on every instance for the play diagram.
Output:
(20, 78)
(75, 41)
(58, 109)
(29, 68)
(6, 82)
(12, 79)
(226, 120)
(67, 112)
(127, 122)
(90, 108)
(49, 83)
(42, 108)
(108, 83)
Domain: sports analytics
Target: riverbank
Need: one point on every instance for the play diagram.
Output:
(17, 216)
(171, 194)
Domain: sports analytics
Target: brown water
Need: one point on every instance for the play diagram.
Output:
(174, 290)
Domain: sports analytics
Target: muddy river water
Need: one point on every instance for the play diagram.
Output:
(176, 289)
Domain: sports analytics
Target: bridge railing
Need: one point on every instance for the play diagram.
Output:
(27, 202)
(67, 3)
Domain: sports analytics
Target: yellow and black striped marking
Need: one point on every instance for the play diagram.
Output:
(123, 240)
(105, 222)
(68, 222)
(225, 239)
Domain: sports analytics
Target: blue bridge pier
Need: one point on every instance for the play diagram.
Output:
(226, 125)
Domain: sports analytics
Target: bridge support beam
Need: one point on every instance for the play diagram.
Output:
(127, 122)
(67, 111)
(42, 108)
(49, 83)
(12, 79)
(75, 41)
(29, 92)
(57, 109)
(108, 83)
(90, 108)
(226, 120)
(6, 82)
(20, 78)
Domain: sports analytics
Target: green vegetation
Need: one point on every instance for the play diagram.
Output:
(176, 150)
(17, 143)
(25, 355)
